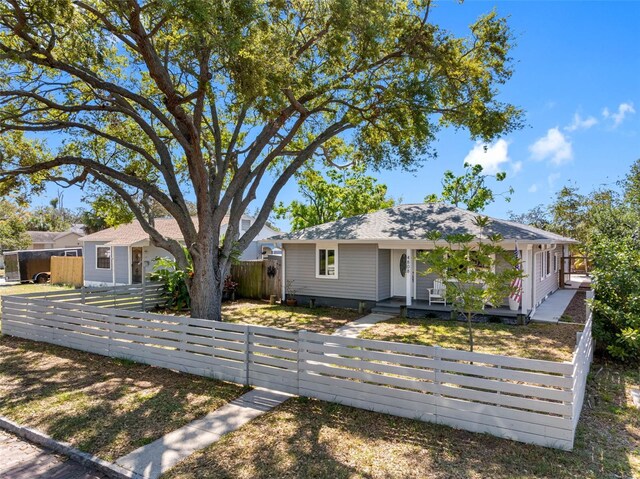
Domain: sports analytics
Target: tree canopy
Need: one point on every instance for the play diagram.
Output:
(13, 229)
(469, 189)
(338, 194)
(165, 99)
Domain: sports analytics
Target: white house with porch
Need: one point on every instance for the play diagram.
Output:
(371, 258)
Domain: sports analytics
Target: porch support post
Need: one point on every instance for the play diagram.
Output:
(283, 277)
(409, 276)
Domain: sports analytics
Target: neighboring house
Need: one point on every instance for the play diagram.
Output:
(56, 239)
(125, 255)
(372, 257)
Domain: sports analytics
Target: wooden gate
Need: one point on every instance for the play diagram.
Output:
(258, 279)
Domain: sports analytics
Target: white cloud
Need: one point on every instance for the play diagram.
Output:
(516, 168)
(489, 156)
(533, 188)
(580, 123)
(552, 178)
(618, 117)
(554, 146)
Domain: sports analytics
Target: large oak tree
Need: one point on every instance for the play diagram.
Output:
(163, 99)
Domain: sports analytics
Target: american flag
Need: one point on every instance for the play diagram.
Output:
(516, 284)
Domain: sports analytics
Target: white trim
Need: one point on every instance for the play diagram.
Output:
(283, 286)
(327, 247)
(408, 277)
(130, 258)
(110, 257)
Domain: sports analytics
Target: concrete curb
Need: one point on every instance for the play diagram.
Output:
(88, 460)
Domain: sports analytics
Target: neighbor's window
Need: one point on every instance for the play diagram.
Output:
(542, 258)
(327, 262)
(244, 225)
(103, 257)
(555, 263)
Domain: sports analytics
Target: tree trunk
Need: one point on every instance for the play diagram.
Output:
(207, 282)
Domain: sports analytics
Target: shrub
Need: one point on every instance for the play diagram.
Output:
(174, 280)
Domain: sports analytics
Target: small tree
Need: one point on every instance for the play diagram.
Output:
(467, 265)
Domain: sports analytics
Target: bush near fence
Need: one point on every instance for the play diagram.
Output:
(527, 400)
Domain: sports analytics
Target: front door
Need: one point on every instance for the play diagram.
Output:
(398, 272)
(136, 265)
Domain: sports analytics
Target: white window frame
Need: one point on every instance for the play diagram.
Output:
(542, 268)
(242, 220)
(556, 262)
(547, 255)
(327, 247)
(71, 253)
(110, 257)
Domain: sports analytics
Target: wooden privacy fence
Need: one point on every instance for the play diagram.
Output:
(527, 400)
(67, 270)
(258, 279)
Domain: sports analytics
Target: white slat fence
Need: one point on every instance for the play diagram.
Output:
(526, 400)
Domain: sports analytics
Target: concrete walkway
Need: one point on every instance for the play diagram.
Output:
(157, 457)
(354, 328)
(553, 307)
(20, 459)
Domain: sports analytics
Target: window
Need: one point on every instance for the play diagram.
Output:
(326, 262)
(103, 257)
(71, 253)
(244, 225)
(548, 263)
(542, 258)
(555, 263)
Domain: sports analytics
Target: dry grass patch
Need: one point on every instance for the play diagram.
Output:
(553, 342)
(261, 313)
(103, 406)
(313, 439)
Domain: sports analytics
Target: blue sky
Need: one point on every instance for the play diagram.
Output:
(577, 76)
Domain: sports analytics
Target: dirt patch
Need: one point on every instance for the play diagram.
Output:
(576, 311)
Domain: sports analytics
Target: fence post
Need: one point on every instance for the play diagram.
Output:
(247, 340)
(144, 297)
(301, 348)
(436, 379)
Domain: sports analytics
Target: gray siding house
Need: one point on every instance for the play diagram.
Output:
(372, 257)
(124, 254)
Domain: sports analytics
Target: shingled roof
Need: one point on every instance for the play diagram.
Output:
(413, 222)
(132, 233)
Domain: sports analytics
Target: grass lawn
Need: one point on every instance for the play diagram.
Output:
(554, 342)
(17, 288)
(103, 406)
(313, 439)
(261, 313)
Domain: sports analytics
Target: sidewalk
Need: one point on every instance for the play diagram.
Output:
(354, 328)
(554, 306)
(152, 460)
(20, 459)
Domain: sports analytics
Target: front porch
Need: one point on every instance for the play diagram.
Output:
(420, 307)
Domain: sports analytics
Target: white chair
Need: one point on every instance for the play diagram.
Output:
(438, 294)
